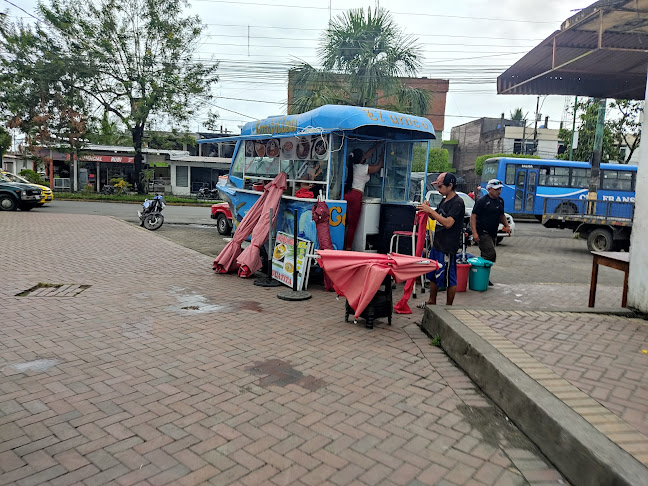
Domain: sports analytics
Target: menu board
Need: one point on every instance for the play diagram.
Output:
(283, 259)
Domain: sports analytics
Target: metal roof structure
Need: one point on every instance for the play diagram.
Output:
(601, 52)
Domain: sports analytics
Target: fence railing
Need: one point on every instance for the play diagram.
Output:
(62, 184)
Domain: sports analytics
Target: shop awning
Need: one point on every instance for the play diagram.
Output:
(601, 52)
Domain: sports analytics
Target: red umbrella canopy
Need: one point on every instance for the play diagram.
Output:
(250, 260)
(358, 275)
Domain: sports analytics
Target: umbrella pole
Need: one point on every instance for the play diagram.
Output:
(295, 294)
(268, 281)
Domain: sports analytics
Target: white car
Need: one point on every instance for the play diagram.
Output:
(434, 198)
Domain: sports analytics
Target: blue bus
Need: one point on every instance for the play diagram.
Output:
(532, 185)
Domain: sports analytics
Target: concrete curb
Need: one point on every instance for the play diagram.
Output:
(579, 451)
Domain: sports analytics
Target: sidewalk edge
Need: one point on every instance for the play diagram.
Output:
(579, 451)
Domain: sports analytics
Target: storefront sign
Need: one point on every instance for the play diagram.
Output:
(283, 259)
(107, 158)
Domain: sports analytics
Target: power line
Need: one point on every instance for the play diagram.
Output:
(418, 14)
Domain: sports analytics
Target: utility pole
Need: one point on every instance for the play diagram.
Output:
(535, 127)
(571, 145)
(596, 157)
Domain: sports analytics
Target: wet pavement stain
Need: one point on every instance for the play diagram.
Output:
(281, 373)
(495, 427)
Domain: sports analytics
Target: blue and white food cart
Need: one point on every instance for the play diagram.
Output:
(313, 147)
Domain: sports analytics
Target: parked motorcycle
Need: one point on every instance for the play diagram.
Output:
(151, 214)
(207, 193)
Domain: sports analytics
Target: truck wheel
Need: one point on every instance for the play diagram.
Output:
(600, 240)
(566, 208)
(7, 203)
(223, 226)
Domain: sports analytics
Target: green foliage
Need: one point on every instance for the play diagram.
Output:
(518, 114)
(479, 161)
(133, 59)
(5, 140)
(436, 341)
(173, 140)
(362, 56)
(33, 177)
(107, 132)
(89, 194)
(587, 113)
(87, 189)
(438, 159)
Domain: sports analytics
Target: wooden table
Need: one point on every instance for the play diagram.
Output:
(612, 259)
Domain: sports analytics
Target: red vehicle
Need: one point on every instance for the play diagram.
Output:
(223, 216)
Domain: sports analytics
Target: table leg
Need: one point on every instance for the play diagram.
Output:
(593, 281)
(624, 297)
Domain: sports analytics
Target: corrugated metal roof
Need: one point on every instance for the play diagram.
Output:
(601, 52)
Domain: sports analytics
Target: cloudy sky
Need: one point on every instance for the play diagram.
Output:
(469, 42)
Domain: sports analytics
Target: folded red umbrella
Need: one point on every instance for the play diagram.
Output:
(225, 262)
(358, 276)
(249, 260)
(420, 222)
(321, 218)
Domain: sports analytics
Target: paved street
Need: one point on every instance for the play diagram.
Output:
(147, 368)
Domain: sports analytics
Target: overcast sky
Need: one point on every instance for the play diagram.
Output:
(469, 42)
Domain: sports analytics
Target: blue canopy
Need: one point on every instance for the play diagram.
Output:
(333, 118)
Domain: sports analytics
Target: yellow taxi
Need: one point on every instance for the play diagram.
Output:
(48, 195)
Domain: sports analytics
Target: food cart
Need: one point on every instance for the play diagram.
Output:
(311, 148)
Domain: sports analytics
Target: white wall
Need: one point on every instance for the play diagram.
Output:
(638, 279)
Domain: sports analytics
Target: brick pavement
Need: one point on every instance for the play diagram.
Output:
(163, 373)
(596, 364)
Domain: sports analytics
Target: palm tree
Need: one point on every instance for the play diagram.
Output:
(362, 58)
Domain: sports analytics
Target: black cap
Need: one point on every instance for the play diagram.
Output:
(450, 179)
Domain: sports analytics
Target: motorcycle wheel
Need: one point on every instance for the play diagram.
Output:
(153, 221)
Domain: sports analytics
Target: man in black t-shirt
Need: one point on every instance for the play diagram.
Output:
(486, 216)
(449, 224)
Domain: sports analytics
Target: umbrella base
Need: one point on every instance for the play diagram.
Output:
(294, 295)
(381, 305)
(267, 282)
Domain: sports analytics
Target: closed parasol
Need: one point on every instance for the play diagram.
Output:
(421, 222)
(249, 260)
(358, 276)
(321, 218)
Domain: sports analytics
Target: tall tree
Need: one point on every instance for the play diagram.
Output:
(622, 129)
(37, 94)
(5, 141)
(134, 59)
(362, 57)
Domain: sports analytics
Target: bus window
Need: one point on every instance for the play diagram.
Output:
(519, 191)
(580, 178)
(554, 176)
(616, 180)
(490, 170)
(509, 177)
(531, 190)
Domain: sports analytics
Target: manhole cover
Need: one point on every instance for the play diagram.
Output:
(53, 290)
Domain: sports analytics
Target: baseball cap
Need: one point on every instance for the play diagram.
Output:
(448, 179)
(494, 183)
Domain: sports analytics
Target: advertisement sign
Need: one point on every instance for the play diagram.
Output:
(284, 259)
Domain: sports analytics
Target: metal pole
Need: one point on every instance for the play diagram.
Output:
(535, 127)
(295, 246)
(571, 145)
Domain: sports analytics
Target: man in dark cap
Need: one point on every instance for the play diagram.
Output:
(449, 217)
(486, 216)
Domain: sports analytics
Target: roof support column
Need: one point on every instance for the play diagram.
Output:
(637, 280)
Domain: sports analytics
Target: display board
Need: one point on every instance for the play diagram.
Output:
(284, 257)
